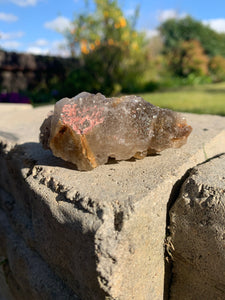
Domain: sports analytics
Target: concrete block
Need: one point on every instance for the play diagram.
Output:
(197, 240)
(100, 232)
(26, 274)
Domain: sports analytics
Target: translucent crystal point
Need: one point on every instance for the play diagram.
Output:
(88, 129)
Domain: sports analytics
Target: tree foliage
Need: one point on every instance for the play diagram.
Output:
(112, 51)
(189, 58)
(217, 68)
(175, 31)
(115, 57)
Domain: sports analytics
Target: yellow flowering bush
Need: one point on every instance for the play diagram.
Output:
(111, 48)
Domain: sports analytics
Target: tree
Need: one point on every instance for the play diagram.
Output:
(188, 58)
(174, 31)
(112, 51)
(217, 68)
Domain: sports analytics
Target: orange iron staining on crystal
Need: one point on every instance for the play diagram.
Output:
(89, 129)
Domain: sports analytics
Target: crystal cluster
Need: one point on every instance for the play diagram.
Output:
(89, 129)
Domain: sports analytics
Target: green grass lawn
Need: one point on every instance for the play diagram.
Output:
(203, 99)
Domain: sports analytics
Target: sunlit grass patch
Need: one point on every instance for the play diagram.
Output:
(203, 99)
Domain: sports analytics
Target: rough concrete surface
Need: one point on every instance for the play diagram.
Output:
(101, 233)
(197, 240)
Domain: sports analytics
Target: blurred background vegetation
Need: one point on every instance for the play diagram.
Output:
(115, 58)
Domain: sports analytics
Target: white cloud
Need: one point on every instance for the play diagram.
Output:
(25, 2)
(151, 33)
(165, 15)
(216, 24)
(41, 43)
(59, 24)
(60, 48)
(8, 40)
(10, 44)
(54, 48)
(11, 35)
(37, 50)
(8, 17)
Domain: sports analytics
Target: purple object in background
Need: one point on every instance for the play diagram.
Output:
(14, 98)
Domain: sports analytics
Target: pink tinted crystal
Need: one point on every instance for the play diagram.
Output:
(88, 129)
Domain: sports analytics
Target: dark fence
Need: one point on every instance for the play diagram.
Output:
(21, 72)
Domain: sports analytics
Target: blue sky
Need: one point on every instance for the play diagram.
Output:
(32, 25)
